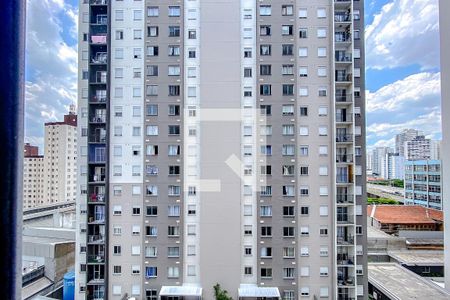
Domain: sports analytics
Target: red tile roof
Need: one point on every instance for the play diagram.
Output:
(405, 214)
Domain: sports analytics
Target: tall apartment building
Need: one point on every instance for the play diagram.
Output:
(33, 177)
(404, 136)
(223, 143)
(423, 183)
(60, 154)
(421, 148)
(379, 155)
(444, 22)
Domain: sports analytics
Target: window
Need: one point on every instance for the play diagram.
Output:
(173, 272)
(287, 10)
(248, 72)
(247, 270)
(303, 33)
(323, 290)
(303, 111)
(288, 295)
(304, 210)
(153, 11)
(265, 89)
(151, 295)
(152, 50)
(323, 251)
(117, 270)
(174, 11)
(288, 273)
(321, 13)
(265, 10)
(323, 230)
(192, 34)
(265, 30)
(287, 70)
(174, 90)
(288, 89)
(288, 231)
(137, 34)
(135, 269)
(288, 110)
(116, 290)
(288, 211)
(248, 230)
(265, 69)
(266, 231)
(321, 33)
(174, 70)
(151, 231)
(174, 31)
(117, 250)
(287, 50)
(266, 272)
(265, 50)
(151, 272)
(174, 110)
(173, 50)
(323, 130)
(265, 211)
(152, 31)
(119, 15)
(303, 52)
(321, 71)
(302, 13)
(304, 131)
(322, 52)
(287, 30)
(304, 271)
(304, 230)
(304, 251)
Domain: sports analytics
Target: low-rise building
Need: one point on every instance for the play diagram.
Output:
(392, 281)
(393, 218)
(423, 183)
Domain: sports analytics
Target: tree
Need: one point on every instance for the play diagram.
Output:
(221, 294)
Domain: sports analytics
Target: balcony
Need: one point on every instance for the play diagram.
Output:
(345, 240)
(344, 158)
(342, 37)
(344, 117)
(346, 281)
(96, 239)
(97, 178)
(344, 98)
(97, 138)
(99, 219)
(98, 2)
(98, 119)
(96, 259)
(342, 56)
(344, 219)
(100, 20)
(345, 259)
(97, 198)
(100, 58)
(344, 138)
(344, 179)
(342, 17)
(99, 39)
(344, 199)
(99, 98)
(96, 281)
(343, 77)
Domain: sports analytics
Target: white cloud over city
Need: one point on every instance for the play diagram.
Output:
(51, 64)
(404, 32)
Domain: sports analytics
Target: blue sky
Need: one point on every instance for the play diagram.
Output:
(402, 66)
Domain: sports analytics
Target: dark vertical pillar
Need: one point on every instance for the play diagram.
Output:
(12, 62)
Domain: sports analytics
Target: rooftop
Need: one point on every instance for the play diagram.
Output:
(399, 283)
(419, 257)
(405, 214)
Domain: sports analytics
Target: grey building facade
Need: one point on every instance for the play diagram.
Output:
(224, 143)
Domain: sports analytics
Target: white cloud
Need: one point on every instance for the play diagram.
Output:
(403, 33)
(417, 89)
(382, 133)
(51, 64)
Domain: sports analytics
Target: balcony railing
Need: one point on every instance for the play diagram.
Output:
(99, 2)
(99, 99)
(344, 77)
(97, 198)
(345, 240)
(344, 158)
(97, 138)
(100, 58)
(98, 39)
(344, 179)
(98, 119)
(98, 258)
(342, 118)
(345, 259)
(344, 138)
(344, 98)
(344, 219)
(342, 17)
(96, 238)
(346, 281)
(343, 57)
(342, 37)
(344, 198)
(97, 178)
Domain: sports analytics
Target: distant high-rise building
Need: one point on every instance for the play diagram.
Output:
(30, 150)
(423, 183)
(435, 150)
(419, 148)
(221, 142)
(379, 155)
(404, 136)
(395, 166)
(444, 23)
(33, 177)
(369, 163)
(60, 146)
